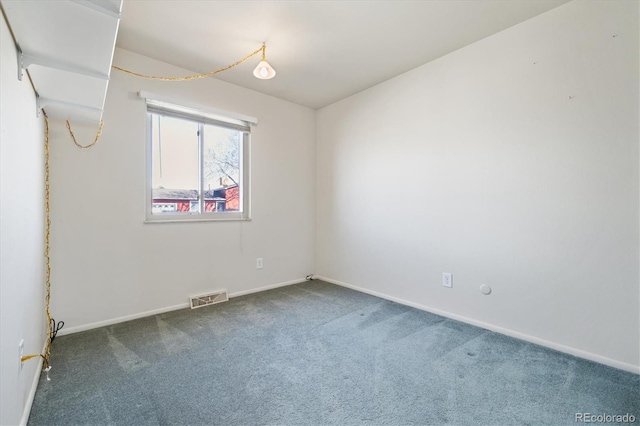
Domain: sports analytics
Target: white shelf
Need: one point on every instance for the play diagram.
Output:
(67, 46)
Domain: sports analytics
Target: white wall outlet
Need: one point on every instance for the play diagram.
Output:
(259, 264)
(447, 279)
(20, 354)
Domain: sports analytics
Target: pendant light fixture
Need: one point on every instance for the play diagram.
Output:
(264, 71)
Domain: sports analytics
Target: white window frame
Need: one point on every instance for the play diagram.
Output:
(205, 116)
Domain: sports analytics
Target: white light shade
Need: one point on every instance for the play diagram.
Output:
(264, 70)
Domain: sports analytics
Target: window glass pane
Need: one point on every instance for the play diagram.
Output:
(175, 165)
(222, 169)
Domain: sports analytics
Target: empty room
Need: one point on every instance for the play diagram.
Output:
(319, 212)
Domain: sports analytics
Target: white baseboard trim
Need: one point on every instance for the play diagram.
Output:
(508, 332)
(32, 391)
(268, 287)
(185, 305)
(117, 320)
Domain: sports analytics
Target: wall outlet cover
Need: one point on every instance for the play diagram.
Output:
(447, 279)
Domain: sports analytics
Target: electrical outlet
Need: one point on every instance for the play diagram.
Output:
(20, 354)
(259, 264)
(447, 279)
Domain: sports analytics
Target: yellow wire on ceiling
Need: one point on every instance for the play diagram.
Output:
(196, 76)
(153, 77)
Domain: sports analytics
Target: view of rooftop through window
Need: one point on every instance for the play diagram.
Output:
(195, 167)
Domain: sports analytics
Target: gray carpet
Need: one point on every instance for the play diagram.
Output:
(318, 354)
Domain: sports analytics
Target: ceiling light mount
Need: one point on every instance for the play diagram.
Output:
(264, 71)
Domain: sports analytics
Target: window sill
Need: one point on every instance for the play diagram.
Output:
(197, 219)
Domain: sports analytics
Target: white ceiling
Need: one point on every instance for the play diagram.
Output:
(323, 51)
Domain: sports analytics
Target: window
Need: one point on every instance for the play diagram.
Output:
(198, 164)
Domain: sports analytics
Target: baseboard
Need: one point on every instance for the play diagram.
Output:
(32, 391)
(185, 305)
(117, 320)
(508, 332)
(268, 287)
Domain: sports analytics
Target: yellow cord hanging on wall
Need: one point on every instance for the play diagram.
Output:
(47, 349)
(85, 146)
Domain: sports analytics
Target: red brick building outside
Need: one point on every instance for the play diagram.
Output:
(186, 200)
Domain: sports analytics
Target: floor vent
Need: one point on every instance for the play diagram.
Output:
(208, 299)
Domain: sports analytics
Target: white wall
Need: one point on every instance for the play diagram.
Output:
(21, 235)
(512, 162)
(108, 264)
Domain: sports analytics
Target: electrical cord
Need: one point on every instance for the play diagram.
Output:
(55, 328)
(193, 77)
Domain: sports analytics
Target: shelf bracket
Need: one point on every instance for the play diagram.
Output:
(95, 5)
(25, 60)
(20, 64)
